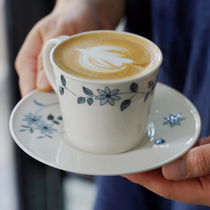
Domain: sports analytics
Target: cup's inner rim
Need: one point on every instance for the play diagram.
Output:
(140, 77)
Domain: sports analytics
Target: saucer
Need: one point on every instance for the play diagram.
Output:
(37, 127)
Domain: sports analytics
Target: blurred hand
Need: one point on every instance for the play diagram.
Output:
(68, 17)
(186, 180)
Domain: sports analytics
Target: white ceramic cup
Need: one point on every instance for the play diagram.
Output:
(105, 117)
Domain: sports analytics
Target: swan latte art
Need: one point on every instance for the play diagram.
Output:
(106, 56)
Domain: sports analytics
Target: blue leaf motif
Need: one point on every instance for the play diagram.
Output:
(134, 87)
(60, 118)
(87, 91)
(61, 90)
(160, 141)
(48, 136)
(150, 84)
(81, 100)
(125, 104)
(50, 117)
(63, 80)
(146, 96)
(40, 137)
(56, 122)
(25, 126)
(37, 103)
(90, 101)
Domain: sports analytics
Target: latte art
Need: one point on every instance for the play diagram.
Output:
(104, 58)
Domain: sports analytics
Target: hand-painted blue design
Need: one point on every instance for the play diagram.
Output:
(146, 96)
(150, 84)
(173, 120)
(160, 141)
(31, 130)
(81, 100)
(125, 104)
(32, 119)
(134, 87)
(45, 128)
(87, 91)
(63, 80)
(36, 122)
(51, 117)
(107, 96)
(61, 90)
(90, 101)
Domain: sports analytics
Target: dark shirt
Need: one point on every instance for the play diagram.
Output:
(182, 31)
(181, 28)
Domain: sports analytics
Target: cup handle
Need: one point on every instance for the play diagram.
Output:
(48, 68)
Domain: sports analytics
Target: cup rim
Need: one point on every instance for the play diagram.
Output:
(140, 77)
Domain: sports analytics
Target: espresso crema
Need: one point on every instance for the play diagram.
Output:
(106, 56)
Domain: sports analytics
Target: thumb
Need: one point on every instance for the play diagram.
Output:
(195, 163)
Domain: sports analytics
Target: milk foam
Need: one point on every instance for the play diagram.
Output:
(104, 58)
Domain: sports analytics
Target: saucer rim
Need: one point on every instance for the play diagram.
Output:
(43, 160)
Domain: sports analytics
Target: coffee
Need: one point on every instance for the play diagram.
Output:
(106, 56)
(100, 113)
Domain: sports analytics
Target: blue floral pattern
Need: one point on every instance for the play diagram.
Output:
(46, 128)
(160, 141)
(173, 120)
(36, 122)
(108, 96)
(31, 119)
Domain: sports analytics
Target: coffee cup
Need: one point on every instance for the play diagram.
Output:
(105, 82)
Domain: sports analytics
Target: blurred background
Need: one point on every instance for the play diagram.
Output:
(26, 184)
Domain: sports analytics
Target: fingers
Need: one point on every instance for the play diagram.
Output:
(192, 191)
(195, 163)
(186, 180)
(26, 62)
(42, 82)
(66, 19)
(47, 32)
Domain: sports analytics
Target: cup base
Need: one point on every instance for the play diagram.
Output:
(147, 137)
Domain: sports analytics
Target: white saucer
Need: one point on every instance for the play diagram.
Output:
(36, 126)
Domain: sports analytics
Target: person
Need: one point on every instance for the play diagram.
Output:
(182, 31)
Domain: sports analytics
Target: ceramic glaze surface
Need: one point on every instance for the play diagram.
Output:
(100, 114)
(165, 142)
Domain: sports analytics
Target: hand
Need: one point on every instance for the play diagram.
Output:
(186, 180)
(68, 17)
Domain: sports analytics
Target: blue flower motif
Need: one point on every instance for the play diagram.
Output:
(108, 96)
(173, 120)
(46, 128)
(32, 119)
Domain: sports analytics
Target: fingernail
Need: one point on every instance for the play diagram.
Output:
(42, 81)
(175, 170)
